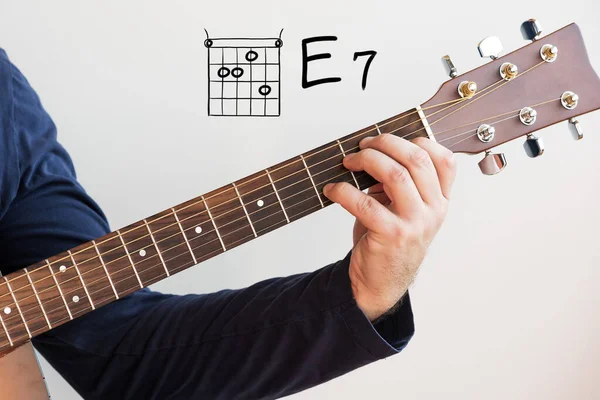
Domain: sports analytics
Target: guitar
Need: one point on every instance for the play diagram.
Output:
(548, 81)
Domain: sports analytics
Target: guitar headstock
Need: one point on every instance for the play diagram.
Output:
(545, 82)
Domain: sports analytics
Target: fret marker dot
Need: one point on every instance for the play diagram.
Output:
(143, 253)
(7, 310)
(76, 299)
(198, 229)
(260, 203)
(62, 268)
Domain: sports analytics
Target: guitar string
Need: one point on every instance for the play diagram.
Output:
(332, 146)
(494, 123)
(310, 189)
(155, 266)
(210, 255)
(485, 94)
(370, 130)
(235, 199)
(255, 222)
(488, 118)
(189, 229)
(290, 196)
(193, 216)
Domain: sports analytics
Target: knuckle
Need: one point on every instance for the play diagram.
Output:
(442, 208)
(341, 189)
(385, 139)
(450, 160)
(419, 140)
(420, 157)
(366, 205)
(368, 153)
(397, 230)
(398, 174)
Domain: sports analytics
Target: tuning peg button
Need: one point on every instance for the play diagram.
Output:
(534, 147)
(490, 47)
(531, 29)
(576, 129)
(450, 68)
(492, 163)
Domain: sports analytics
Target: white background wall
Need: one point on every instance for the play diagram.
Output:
(506, 302)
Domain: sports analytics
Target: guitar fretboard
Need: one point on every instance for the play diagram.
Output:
(54, 291)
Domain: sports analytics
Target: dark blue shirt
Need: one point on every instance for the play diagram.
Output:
(269, 340)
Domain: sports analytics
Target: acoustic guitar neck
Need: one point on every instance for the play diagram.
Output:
(73, 283)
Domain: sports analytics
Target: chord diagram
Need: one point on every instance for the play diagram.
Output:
(244, 76)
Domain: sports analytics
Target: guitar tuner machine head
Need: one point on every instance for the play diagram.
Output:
(531, 29)
(467, 89)
(490, 47)
(514, 95)
(549, 52)
(492, 163)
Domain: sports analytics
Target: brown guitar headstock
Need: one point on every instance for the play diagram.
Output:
(548, 81)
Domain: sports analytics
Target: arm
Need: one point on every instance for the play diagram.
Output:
(20, 376)
(269, 340)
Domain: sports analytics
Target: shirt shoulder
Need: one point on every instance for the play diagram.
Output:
(9, 171)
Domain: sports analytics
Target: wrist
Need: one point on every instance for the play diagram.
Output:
(373, 305)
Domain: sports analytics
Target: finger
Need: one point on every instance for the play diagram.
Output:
(367, 210)
(381, 198)
(443, 161)
(379, 194)
(378, 188)
(396, 179)
(414, 158)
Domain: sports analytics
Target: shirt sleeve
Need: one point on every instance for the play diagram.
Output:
(269, 340)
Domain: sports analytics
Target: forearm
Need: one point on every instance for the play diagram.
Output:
(20, 376)
(269, 340)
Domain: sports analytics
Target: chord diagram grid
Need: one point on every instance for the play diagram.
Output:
(244, 76)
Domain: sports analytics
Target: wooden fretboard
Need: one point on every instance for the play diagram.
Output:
(71, 284)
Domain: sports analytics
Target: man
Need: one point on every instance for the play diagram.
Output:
(272, 339)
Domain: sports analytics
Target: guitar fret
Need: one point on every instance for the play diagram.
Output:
(81, 279)
(130, 259)
(312, 181)
(6, 331)
(59, 289)
(277, 194)
(157, 249)
(18, 307)
(244, 207)
(184, 236)
(172, 236)
(213, 222)
(105, 270)
(38, 298)
(351, 172)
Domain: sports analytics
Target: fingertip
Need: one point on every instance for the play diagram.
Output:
(327, 188)
(364, 142)
(347, 160)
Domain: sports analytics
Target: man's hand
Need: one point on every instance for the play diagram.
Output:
(397, 220)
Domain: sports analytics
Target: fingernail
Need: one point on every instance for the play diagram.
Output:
(349, 157)
(328, 187)
(365, 141)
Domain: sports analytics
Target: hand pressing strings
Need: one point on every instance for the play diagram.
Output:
(398, 218)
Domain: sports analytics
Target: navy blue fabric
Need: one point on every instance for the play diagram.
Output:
(269, 340)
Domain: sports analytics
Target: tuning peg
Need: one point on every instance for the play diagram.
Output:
(490, 47)
(531, 29)
(492, 163)
(534, 147)
(576, 129)
(449, 65)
